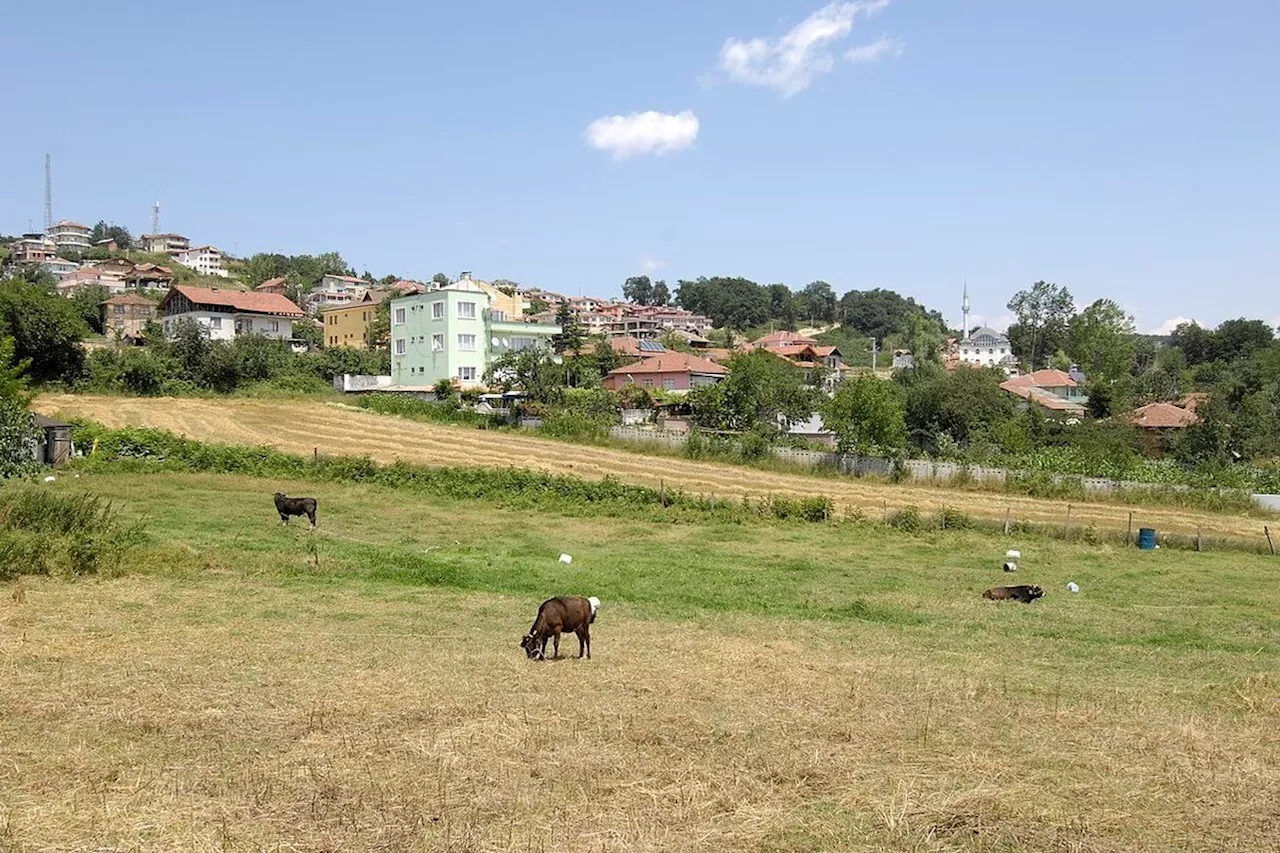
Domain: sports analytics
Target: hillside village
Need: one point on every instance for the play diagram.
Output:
(462, 335)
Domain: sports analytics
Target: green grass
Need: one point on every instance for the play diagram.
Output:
(774, 685)
(1142, 613)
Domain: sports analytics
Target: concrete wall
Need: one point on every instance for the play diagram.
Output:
(919, 470)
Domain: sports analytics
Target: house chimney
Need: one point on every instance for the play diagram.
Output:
(465, 275)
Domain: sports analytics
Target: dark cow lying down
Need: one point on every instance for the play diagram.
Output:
(569, 613)
(1025, 594)
(287, 506)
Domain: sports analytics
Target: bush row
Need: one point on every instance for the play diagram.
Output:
(46, 532)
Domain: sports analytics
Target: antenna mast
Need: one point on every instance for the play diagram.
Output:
(48, 193)
(155, 218)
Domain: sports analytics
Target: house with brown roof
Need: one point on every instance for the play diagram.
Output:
(127, 314)
(1053, 390)
(272, 285)
(228, 314)
(672, 371)
(149, 277)
(1162, 417)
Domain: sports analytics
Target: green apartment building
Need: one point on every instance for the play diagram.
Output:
(451, 333)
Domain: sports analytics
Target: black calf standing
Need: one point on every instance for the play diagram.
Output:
(287, 506)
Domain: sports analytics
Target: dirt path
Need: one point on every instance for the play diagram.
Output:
(300, 426)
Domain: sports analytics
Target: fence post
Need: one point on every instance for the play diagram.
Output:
(1199, 539)
(1066, 526)
(1270, 544)
(1006, 521)
(886, 511)
(1128, 537)
(315, 456)
(942, 513)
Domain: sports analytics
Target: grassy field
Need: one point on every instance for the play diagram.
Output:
(755, 687)
(300, 426)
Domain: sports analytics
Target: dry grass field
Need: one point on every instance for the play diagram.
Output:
(770, 687)
(299, 426)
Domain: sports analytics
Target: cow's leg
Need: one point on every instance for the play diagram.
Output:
(556, 637)
(586, 635)
(542, 650)
(284, 519)
(584, 642)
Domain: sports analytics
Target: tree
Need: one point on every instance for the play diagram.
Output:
(309, 333)
(638, 289)
(572, 335)
(761, 392)
(817, 302)
(1102, 341)
(1044, 314)
(46, 330)
(440, 279)
(782, 305)
(1241, 338)
(661, 294)
(867, 415)
(881, 313)
(377, 335)
(88, 303)
(531, 371)
(734, 302)
(965, 404)
(13, 380)
(105, 231)
(18, 434)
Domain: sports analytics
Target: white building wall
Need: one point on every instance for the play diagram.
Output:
(222, 326)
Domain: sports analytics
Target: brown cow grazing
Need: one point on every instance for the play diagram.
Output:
(287, 506)
(556, 616)
(1024, 593)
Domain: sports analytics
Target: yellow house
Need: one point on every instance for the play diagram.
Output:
(345, 325)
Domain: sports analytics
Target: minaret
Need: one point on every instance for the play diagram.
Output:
(964, 313)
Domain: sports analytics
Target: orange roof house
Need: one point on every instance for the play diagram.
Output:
(1162, 416)
(673, 371)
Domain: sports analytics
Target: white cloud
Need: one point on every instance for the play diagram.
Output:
(1167, 327)
(649, 132)
(789, 64)
(881, 48)
(649, 264)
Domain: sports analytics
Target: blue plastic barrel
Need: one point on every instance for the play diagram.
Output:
(1146, 538)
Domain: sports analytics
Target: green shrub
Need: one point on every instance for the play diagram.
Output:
(570, 426)
(907, 519)
(44, 532)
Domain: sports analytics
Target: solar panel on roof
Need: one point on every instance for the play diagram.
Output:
(651, 346)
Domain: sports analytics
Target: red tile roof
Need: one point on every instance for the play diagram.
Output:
(1162, 416)
(774, 339)
(1044, 379)
(239, 300)
(129, 299)
(272, 284)
(672, 362)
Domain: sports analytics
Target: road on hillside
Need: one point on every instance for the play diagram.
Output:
(301, 426)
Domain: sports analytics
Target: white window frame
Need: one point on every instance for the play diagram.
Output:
(462, 344)
(399, 317)
(466, 315)
(215, 323)
(400, 346)
(463, 373)
(437, 343)
(437, 310)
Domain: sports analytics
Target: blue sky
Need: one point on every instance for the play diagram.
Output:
(1124, 148)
